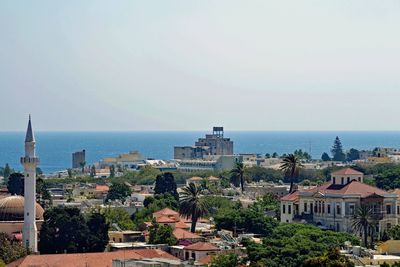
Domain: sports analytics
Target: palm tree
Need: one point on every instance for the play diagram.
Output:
(362, 221)
(82, 164)
(238, 172)
(192, 205)
(291, 166)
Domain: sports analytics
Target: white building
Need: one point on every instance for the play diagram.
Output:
(333, 204)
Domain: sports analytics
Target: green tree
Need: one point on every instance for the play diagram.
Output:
(69, 171)
(325, 157)
(238, 173)
(161, 234)
(42, 194)
(275, 155)
(225, 260)
(361, 222)
(93, 171)
(267, 155)
(192, 204)
(331, 259)
(165, 183)
(82, 164)
(98, 229)
(353, 154)
(66, 230)
(6, 171)
(118, 191)
(119, 217)
(112, 171)
(15, 185)
(394, 232)
(337, 150)
(9, 250)
(291, 166)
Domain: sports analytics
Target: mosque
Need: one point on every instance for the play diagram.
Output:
(22, 214)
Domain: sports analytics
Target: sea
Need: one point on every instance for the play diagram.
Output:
(55, 148)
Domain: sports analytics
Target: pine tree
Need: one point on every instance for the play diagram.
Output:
(7, 171)
(337, 150)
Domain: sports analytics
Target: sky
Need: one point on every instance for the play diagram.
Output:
(190, 65)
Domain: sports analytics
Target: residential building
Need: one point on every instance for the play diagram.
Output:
(212, 163)
(100, 259)
(333, 204)
(78, 159)
(213, 144)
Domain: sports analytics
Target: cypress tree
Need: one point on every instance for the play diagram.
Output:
(337, 150)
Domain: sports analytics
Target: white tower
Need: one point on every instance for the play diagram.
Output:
(30, 162)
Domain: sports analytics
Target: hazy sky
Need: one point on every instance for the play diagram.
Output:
(189, 65)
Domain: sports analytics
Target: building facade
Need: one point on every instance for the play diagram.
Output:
(333, 205)
(213, 144)
(78, 159)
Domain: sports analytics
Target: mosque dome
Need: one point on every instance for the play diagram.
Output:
(12, 209)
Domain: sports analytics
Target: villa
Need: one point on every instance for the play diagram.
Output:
(334, 204)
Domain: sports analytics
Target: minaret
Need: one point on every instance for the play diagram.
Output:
(30, 162)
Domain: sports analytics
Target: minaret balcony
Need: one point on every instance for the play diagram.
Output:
(29, 160)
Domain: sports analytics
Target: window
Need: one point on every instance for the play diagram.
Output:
(388, 209)
(351, 209)
(283, 208)
(398, 209)
(305, 206)
(342, 180)
(315, 208)
(348, 179)
(334, 180)
(338, 211)
(359, 179)
(323, 207)
(329, 208)
(289, 209)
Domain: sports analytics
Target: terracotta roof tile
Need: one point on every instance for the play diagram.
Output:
(102, 259)
(347, 171)
(205, 260)
(294, 196)
(183, 234)
(165, 219)
(165, 212)
(353, 188)
(182, 225)
(202, 246)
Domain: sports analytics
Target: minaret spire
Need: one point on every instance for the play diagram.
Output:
(29, 133)
(30, 162)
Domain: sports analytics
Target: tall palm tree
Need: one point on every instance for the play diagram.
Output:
(238, 172)
(192, 204)
(361, 222)
(291, 166)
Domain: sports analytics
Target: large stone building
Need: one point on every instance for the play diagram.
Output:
(214, 144)
(334, 204)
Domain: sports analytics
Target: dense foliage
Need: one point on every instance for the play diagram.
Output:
(161, 234)
(15, 185)
(9, 250)
(337, 150)
(165, 183)
(331, 259)
(118, 191)
(118, 217)
(291, 244)
(67, 230)
(225, 260)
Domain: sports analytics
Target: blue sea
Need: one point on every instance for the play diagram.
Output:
(55, 148)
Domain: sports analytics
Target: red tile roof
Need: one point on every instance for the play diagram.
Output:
(195, 178)
(102, 187)
(205, 261)
(101, 259)
(353, 188)
(202, 246)
(183, 234)
(165, 219)
(294, 196)
(182, 225)
(165, 212)
(347, 171)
